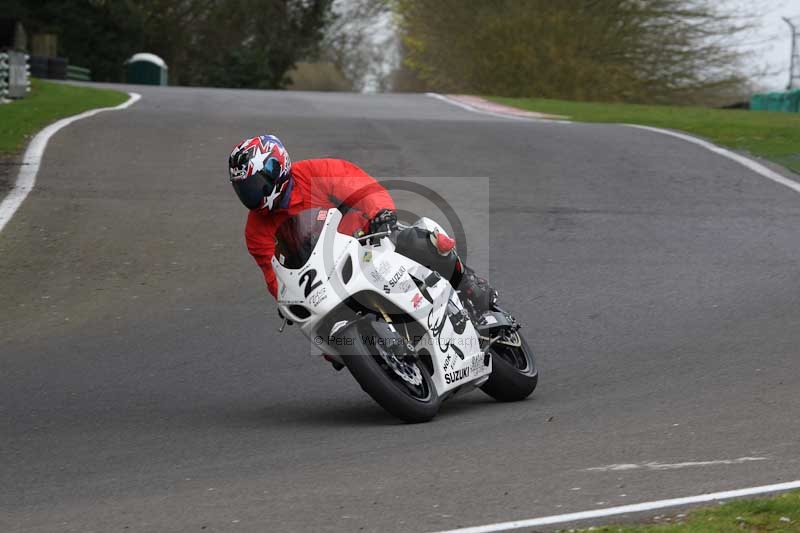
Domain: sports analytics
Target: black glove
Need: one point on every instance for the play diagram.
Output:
(384, 217)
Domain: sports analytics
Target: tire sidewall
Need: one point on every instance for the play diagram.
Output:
(507, 383)
(373, 380)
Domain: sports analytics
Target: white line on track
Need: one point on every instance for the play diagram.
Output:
(755, 166)
(627, 509)
(473, 109)
(655, 465)
(26, 179)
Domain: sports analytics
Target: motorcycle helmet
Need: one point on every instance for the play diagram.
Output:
(260, 170)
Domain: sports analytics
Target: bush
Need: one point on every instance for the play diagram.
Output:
(317, 77)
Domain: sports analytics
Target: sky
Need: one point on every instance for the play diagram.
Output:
(768, 46)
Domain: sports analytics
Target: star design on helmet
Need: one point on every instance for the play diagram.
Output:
(259, 159)
(269, 200)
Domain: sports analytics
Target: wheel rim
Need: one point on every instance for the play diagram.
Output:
(515, 354)
(405, 374)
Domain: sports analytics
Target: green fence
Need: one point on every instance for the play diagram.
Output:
(788, 102)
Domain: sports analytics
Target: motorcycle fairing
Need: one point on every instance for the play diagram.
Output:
(319, 286)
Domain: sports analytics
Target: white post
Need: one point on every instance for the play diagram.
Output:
(794, 65)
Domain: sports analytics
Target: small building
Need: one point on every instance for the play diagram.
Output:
(146, 69)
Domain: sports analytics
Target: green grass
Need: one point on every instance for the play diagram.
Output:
(760, 515)
(775, 136)
(46, 103)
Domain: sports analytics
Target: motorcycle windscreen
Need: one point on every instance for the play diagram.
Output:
(297, 236)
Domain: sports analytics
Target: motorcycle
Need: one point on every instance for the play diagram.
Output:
(398, 327)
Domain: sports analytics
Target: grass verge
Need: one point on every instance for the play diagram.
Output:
(46, 103)
(775, 136)
(778, 514)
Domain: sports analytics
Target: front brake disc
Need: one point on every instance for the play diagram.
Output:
(408, 372)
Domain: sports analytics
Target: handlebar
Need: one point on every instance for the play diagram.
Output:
(397, 226)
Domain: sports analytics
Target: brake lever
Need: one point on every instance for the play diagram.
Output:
(374, 235)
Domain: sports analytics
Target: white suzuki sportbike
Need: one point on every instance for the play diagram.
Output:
(399, 328)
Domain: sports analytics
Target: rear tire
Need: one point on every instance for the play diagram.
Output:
(386, 387)
(514, 372)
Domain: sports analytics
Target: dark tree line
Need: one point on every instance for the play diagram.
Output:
(232, 43)
(617, 50)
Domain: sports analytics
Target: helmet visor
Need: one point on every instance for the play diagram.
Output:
(252, 190)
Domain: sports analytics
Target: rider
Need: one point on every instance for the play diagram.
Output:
(273, 189)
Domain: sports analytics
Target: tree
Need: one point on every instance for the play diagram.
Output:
(361, 42)
(231, 43)
(625, 50)
(95, 34)
(251, 43)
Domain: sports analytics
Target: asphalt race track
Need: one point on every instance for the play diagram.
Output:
(143, 386)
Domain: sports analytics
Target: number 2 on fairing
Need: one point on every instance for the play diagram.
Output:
(308, 278)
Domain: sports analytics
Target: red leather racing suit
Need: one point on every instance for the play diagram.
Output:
(317, 183)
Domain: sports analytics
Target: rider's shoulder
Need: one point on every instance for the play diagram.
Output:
(323, 166)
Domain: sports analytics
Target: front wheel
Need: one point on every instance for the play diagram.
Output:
(514, 372)
(401, 385)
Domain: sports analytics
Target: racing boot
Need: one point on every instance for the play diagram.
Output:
(476, 291)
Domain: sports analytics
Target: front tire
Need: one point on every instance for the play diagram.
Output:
(410, 403)
(514, 372)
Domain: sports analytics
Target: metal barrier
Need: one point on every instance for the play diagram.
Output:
(78, 73)
(16, 67)
(58, 68)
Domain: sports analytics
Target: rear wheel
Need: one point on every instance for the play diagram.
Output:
(398, 382)
(514, 372)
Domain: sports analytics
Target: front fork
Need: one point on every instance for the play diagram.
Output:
(498, 327)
